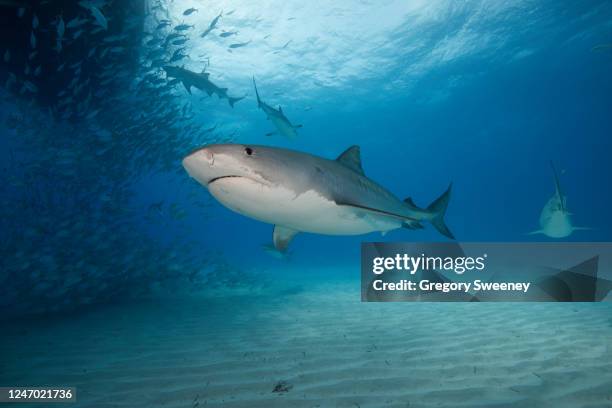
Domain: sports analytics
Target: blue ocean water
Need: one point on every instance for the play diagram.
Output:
(99, 218)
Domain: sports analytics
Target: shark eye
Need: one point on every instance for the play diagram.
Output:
(248, 151)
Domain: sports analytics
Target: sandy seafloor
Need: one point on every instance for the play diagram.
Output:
(333, 351)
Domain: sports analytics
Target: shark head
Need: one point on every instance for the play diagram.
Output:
(216, 163)
(251, 180)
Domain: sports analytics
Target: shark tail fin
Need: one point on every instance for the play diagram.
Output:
(232, 101)
(256, 93)
(438, 210)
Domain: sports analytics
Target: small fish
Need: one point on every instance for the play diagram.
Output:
(189, 11)
(179, 41)
(153, 42)
(96, 13)
(183, 27)
(37, 71)
(75, 22)
(34, 22)
(177, 57)
(20, 12)
(205, 33)
(163, 24)
(32, 40)
(238, 45)
(226, 34)
(28, 86)
(61, 27)
(213, 23)
(7, 55)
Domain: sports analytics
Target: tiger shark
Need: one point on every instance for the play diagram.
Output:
(199, 81)
(300, 192)
(278, 118)
(555, 221)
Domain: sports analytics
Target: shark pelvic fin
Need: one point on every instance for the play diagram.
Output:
(413, 225)
(282, 237)
(351, 158)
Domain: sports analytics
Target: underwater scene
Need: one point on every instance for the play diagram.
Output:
(186, 186)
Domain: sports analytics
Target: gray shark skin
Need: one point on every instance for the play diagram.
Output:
(298, 191)
(199, 81)
(278, 118)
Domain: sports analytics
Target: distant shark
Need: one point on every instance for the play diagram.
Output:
(555, 219)
(199, 81)
(278, 118)
(297, 191)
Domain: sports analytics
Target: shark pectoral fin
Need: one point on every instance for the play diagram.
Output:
(297, 126)
(582, 229)
(187, 86)
(535, 232)
(351, 158)
(282, 236)
(270, 133)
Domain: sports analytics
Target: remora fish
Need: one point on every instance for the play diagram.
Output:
(555, 219)
(199, 81)
(297, 191)
(278, 118)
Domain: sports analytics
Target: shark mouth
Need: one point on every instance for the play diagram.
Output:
(220, 178)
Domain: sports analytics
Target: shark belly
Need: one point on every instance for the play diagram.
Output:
(283, 127)
(307, 212)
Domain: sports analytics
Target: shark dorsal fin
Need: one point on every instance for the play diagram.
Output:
(280, 109)
(351, 158)
(558, 190)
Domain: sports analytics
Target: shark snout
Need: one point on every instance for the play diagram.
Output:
(199, 163)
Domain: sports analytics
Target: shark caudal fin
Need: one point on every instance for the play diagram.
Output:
(256, 93)
(438, 209)
(232, 101)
